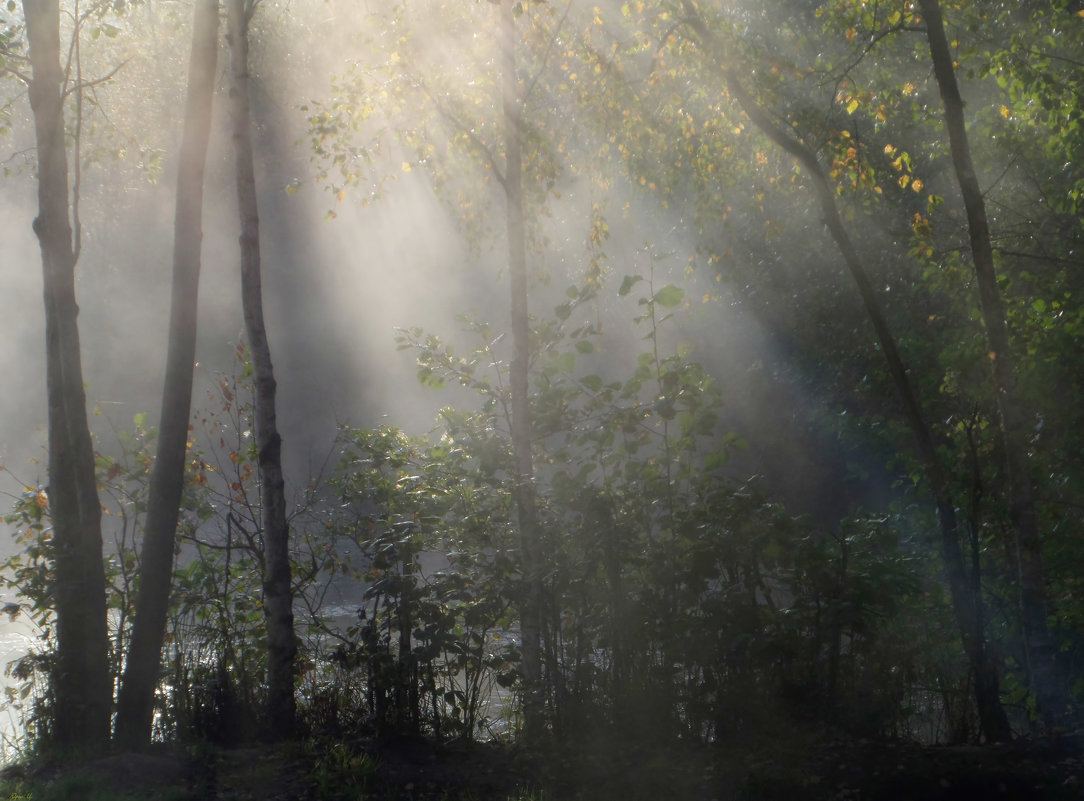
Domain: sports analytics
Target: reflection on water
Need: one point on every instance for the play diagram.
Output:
(17, 637)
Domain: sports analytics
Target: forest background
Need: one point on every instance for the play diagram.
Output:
(777, 466)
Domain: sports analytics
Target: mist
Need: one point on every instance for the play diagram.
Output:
(778, 458)
(336, 290)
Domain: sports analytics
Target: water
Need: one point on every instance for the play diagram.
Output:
(17, 637)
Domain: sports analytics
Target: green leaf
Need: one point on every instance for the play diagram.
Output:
(585, 346)
(140, 420)
(669, 296)
(629, 282)
(1039, 305)
(716, 460)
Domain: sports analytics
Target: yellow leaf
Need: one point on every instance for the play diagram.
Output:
(1005, 112)
(917, 184)
(406, 166)
(904, 180)
(851, 33)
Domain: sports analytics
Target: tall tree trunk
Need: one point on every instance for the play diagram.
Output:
(526, 505)
(994, 722)
(135, 706)
(80, 682)
(277, 591)
(1040, 648)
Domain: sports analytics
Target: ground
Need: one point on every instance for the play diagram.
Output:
(405, 769)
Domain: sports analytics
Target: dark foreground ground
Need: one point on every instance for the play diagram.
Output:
(370, 769)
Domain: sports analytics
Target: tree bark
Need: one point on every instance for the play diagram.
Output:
(135, 706)
(1049, 688)
(526, 505)
(81, 683)
(966, 608)
(277, 590)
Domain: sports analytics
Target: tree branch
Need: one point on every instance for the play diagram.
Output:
(456, 123)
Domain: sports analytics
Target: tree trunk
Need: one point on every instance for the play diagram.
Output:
(1040, 648)
(995, 723)
(526, 506)
(135, 706)
(80, 681)
(277, 590)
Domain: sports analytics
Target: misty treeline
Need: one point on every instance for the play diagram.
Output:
(590, 536)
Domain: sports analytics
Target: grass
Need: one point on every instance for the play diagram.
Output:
(81, 787)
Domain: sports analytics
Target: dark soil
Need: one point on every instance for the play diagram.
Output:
(408, 769)
(860, 770)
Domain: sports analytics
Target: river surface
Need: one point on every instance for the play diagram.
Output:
(17, 637)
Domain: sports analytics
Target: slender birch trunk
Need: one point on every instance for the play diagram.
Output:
(1039, 646)
(526, 505)
(80, 680)
(277, 591)
(136, 702)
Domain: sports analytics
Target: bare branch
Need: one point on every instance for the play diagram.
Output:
(546, 55)
(80, 85)
(456, 123)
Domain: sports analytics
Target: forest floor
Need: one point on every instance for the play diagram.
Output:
(370, 769)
